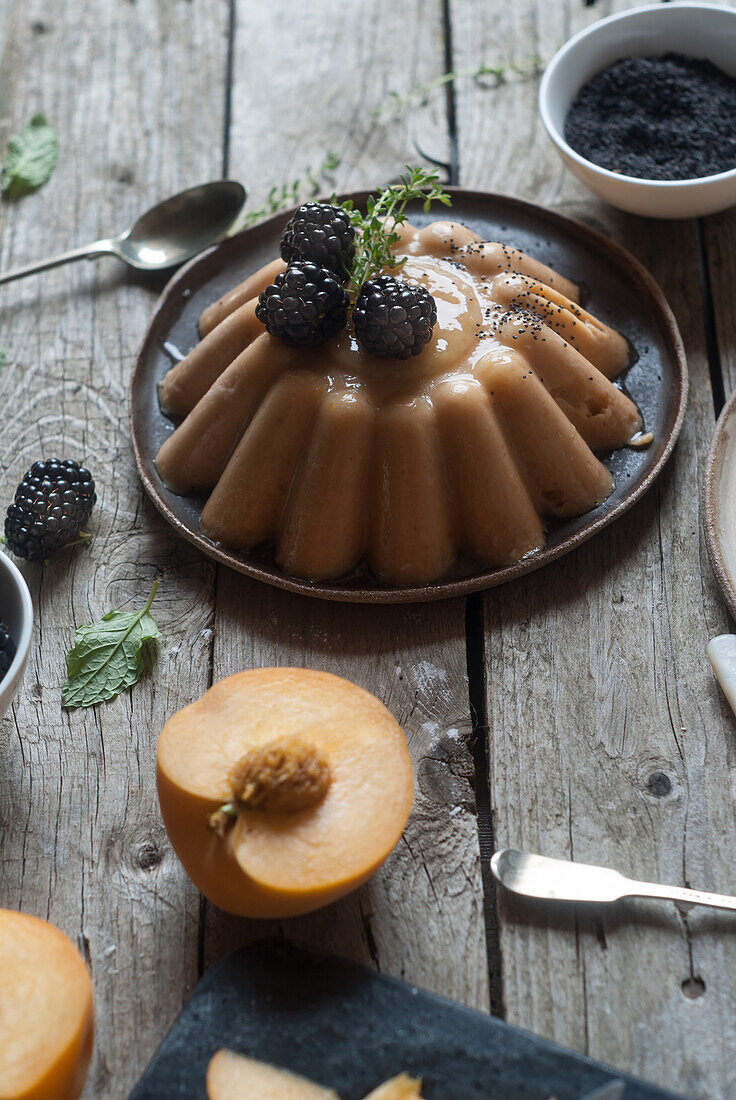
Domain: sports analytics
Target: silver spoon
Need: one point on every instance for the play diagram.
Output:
(561, 880)
(166, 235)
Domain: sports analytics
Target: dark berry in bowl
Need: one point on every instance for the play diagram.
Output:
(7, 649)
(52, 504)
(304, 306)
(393, 320)
(323, 234)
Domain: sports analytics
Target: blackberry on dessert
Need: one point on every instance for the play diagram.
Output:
(322, 233)
(304, 306)
(51, 506)
(392, 319)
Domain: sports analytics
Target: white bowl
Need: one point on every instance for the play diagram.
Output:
(695, 30)
(16, 611)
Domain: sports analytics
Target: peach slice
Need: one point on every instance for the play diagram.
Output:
(402, 1087)
(232, 1076)
(46, 1013)
(282, 789)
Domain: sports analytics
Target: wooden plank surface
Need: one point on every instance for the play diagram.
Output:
(719, 238)
(597, 679)
(595, 673)
(135, 92)
(341, 62)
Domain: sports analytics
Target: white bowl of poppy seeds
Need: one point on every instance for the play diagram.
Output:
(642, 109)
(16, 624)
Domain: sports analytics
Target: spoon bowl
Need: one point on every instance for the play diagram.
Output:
(179, 227)
(556, 879)
(548, 879)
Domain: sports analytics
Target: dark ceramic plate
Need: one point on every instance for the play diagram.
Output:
(621, 292)
(349, 1028)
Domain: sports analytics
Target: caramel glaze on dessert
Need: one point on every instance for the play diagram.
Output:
(337, 457)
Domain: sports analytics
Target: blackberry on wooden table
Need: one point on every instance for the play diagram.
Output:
(51, 506)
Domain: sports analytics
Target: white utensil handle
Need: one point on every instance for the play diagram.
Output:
(722, 656)
(681, 893)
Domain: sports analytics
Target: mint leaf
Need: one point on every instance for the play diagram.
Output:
(109, 656)
(31, 158)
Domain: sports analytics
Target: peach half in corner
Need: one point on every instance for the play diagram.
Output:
(232, 1076)
(282, 789)
(46, 1013)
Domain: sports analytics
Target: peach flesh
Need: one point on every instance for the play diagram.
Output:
(282, 864)
(46, 1011)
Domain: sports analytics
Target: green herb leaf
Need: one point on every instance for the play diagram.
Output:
(31, 158)
(384, 213)
(109, 656)
(3, 358)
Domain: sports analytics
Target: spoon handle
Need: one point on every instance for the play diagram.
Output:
(679, 893)
(98, 248)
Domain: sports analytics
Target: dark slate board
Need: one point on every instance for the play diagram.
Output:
(349, 1028)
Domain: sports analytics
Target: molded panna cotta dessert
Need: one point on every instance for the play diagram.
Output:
(282, 789)
(337, 456)
(46, 1012)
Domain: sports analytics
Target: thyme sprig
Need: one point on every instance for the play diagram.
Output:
(419, 95)
(385, 212)
(287, 194)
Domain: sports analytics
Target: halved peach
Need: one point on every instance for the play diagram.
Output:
(46, 1012)
(282, 789)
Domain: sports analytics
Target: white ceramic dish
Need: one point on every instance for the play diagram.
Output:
(16, 611)
(696, 30)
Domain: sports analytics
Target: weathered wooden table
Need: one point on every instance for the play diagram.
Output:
(542, 715)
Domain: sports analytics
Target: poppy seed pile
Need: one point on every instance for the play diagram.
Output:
(657, 118)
